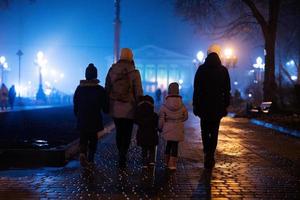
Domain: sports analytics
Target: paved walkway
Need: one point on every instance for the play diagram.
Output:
(252, 163)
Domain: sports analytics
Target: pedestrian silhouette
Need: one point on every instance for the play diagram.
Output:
(210, 100)
(172, 115)
(124, 87)
(89, 101)
(3, 96)
(158, 96)
(12, 96)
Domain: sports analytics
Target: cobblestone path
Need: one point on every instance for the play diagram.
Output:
(252, 163)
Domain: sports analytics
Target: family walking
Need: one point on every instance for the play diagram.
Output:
(123, 99)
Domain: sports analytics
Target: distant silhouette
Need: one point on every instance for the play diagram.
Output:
(12, 96)
(147, 137)
(210, 100)
(89, 101)
(158, 96)
(3, 96)
(124, 87)
(172, 115)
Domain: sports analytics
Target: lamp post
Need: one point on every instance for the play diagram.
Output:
(40, 62)
(117, 24)
(4, 66)
(260, 67)
(230, 58)
(230, 61)
(19, 54)
(2, 61)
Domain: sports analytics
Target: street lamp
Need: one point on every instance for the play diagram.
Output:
(260, 67)
(229, 58)
(200, 56)
(19, 54)
(41, 63)
(4, 66)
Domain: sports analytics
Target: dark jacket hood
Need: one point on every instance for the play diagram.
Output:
(212, 60)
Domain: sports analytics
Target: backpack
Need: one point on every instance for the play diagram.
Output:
(122, 88)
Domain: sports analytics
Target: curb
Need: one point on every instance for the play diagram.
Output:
(275, 127)
(268, 125)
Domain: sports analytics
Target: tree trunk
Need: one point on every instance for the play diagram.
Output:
(270, 86)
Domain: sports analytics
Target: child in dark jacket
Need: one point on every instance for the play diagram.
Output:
(147, 137)
(89, 101)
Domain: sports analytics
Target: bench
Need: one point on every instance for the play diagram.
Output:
(264, 108)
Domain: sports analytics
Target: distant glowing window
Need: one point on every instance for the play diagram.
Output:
(150, 73)
(184, 75)
(162, 77)
(140, 67)
(173, 75)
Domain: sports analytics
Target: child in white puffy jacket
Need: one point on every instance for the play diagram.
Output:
(172, 116)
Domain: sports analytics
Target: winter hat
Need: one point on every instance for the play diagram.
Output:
(91, 72)
(148, 99)
(126, 54)
(214, 48)
(173, 89)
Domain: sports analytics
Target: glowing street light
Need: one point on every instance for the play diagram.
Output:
(228, 52)
(41, 63)
(200, 56)
(260, 66)
(2, 60)
(230, 58)
(294, 78)
(259, 63)
(4, 66)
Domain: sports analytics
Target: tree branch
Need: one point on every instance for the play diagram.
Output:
(259, 17)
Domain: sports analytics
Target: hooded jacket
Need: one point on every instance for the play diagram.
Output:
(172, 115)
(89, 101)
(119, 109)
(211, 89)
(147, 121)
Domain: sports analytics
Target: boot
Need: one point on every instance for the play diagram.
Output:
(209, 161)
(83, 160)
(167, 159)
(172, 163)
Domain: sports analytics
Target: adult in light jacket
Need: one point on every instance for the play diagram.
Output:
(124, 87)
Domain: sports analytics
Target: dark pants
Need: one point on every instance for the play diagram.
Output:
(148, 153)
(172, 148)
(88, 144)
(209, 133)
(123, 135)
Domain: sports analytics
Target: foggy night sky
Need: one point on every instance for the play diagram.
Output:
(73, 33)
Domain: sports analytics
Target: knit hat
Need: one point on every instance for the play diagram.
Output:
(214, 48)
(91, 72)
(173, 89)
(126, 54)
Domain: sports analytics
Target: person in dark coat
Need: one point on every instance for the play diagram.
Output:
(158, 96)
(210, 101)
(147, 121)
(89, 102)
(12, 96)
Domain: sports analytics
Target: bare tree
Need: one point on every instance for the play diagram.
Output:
(245, 17)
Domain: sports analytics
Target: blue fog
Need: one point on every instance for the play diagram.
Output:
(73, 33)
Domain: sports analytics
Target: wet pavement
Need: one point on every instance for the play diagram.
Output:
(252, 163)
